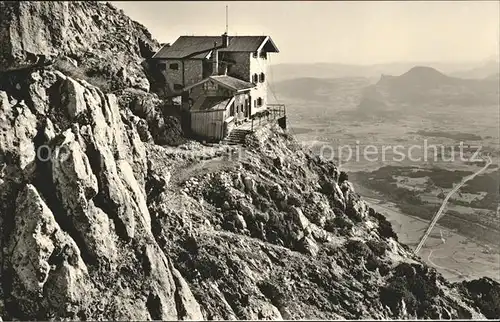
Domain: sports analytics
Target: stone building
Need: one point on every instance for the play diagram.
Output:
(192, 63)
(191, 59)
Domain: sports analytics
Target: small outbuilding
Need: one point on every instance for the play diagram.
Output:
(216, 104)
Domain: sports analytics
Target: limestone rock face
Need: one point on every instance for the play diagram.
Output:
(18, 126)
(43, 257)
(75, 220)
(85, 38)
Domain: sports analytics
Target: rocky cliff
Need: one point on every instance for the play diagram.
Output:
(95, 39)
(100, 222)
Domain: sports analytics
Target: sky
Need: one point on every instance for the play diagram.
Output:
(349, 32)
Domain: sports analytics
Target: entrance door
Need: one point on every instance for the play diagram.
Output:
(247, 108)
(248, 103)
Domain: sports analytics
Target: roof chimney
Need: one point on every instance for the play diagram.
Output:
(225, 40)
(215, 60)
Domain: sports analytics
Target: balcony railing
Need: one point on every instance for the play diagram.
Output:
(271, 113)
(277, 110)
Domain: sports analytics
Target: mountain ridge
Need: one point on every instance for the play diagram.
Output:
(112, 223)
(334, 70)
(427, 86)
(491, 67)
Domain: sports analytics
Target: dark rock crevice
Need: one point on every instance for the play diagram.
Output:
(273, 294)
(8, 308)
(57, 96)
(153, 305)
(44, 183)
(101, 200)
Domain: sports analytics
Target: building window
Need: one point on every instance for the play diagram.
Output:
(178, 87)
(174, 66)
(231, 110)
(162, 66)
(263, 55)
(262, 78)
(255, 78)
(259, 101)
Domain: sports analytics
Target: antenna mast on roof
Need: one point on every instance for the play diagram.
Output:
(226, 20)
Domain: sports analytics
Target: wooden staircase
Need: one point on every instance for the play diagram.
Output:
(236, 136)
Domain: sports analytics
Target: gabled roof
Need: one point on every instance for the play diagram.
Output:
(232, 83)
(201, 46)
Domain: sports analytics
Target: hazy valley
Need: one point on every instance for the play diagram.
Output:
(423, 108)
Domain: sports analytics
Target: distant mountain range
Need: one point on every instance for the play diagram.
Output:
(489, 69)
(282, 72)
(412, 91)
(427, 86)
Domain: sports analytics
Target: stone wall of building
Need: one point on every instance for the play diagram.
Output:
(172, 76)
(246, 66)
(188, 72)
(193, 72)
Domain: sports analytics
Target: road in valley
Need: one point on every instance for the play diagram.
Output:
(445, 201)
(430, 261)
